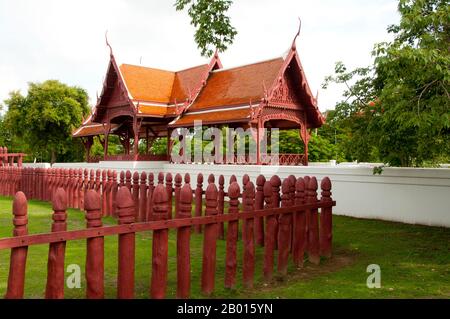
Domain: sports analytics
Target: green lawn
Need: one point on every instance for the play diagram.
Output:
(414, 261)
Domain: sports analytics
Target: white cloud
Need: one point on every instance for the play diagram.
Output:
(64, 40)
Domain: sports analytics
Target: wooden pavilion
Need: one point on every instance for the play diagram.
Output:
(145, 103)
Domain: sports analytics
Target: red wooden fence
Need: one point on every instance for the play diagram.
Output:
(287, 225)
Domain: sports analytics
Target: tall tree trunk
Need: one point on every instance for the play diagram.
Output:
(53, 159)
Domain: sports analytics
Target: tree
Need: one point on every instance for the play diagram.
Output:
(213, 26)
(401, 104)
(45, 118)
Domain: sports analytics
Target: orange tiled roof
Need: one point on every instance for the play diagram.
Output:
(238, 85)
(92, 129)
(216, 117)
(157, 110)
(161, 86)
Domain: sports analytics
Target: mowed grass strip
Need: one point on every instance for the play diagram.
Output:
(414, 261)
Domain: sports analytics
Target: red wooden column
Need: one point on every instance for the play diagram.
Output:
(135, 188)
(307, 213)
(104, 193)
(259, 204)
(269, 240)
(69, 189)
(326, 223)
(98, 182)
(177, 190)
(56, 252)
(299, 241)
(160, 244)
(114, 190)
(232, 236)
(95, 248)
(143, 197)
(18, 259)
(183, 244)
(248, 203)
(292, 181)
(198, 201)
(125, 277)
(313, 240)
(151, 188)
(221, 205)
(108, 192)
(209, 242)
(169, 189)
(284, 229)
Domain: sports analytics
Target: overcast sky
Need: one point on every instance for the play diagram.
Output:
(64, 40)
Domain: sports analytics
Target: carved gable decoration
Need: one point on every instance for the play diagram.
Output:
(284, 92)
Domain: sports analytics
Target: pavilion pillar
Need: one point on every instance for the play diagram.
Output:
(136, 128)
(88, 146)
(258, 143)
(169, 144)
(146, 141)
(106, 128)
(305, 136)
(230, 146)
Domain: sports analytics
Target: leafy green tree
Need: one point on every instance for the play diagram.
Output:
(45, 118)
(213, 29)
(399, 108)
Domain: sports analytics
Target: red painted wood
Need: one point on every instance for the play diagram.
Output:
(128, 180)
(269, 239)
(299, 237)
(209, 242)
(151, 188)
(122, 179)
(233, 179)
(313, 239)
(135, 188)
(232, 236)
(284, 229)
(276, 184)
(259, 204)
(95, 248)
(103, 193)
(169, 189)
(221, 204)
(126, 214)
(199, 201)
(307, 213)
(183, 244)
(326, 223)
(56, 253)
(108, 192)
(160, 244)
(292, 181)
(18, 258)
(114, 190)
(248, 203)
(177, 190)
(143, 197)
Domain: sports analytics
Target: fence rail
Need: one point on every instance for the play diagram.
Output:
(285, 223)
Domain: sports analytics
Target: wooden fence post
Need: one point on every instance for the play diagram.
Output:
(299, 242)
(169, 190)
(276, 184)
(135, 195)
(232, 236)
(70, 188)
(307, 213)
(128, 177)
(326, 223)
(122, 179)
(151, 188)
(18, 259)
(95, 248)
(313, 253)
(126, 214)
(209, 242)
(160, 244)
(56, 252)
(221, 205)
(114, 190)
(183, 244)
(259, 204)
(284, 229)
(143, 197)
(248, 203)
(108, 192)
(104, 193)
(269, 239)
(198, 201)
(177, 190)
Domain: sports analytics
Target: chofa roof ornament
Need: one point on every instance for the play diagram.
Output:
(298, 33)
(107, 44)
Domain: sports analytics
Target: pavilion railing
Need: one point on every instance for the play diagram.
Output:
(128, 157)
(265, 159)
(9, 159)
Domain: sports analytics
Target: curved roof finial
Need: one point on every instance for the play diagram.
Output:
(107, 43)
(298, 33)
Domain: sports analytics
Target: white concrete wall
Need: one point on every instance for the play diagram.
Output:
(408, 195)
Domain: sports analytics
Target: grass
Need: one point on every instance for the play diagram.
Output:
(414, 261)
